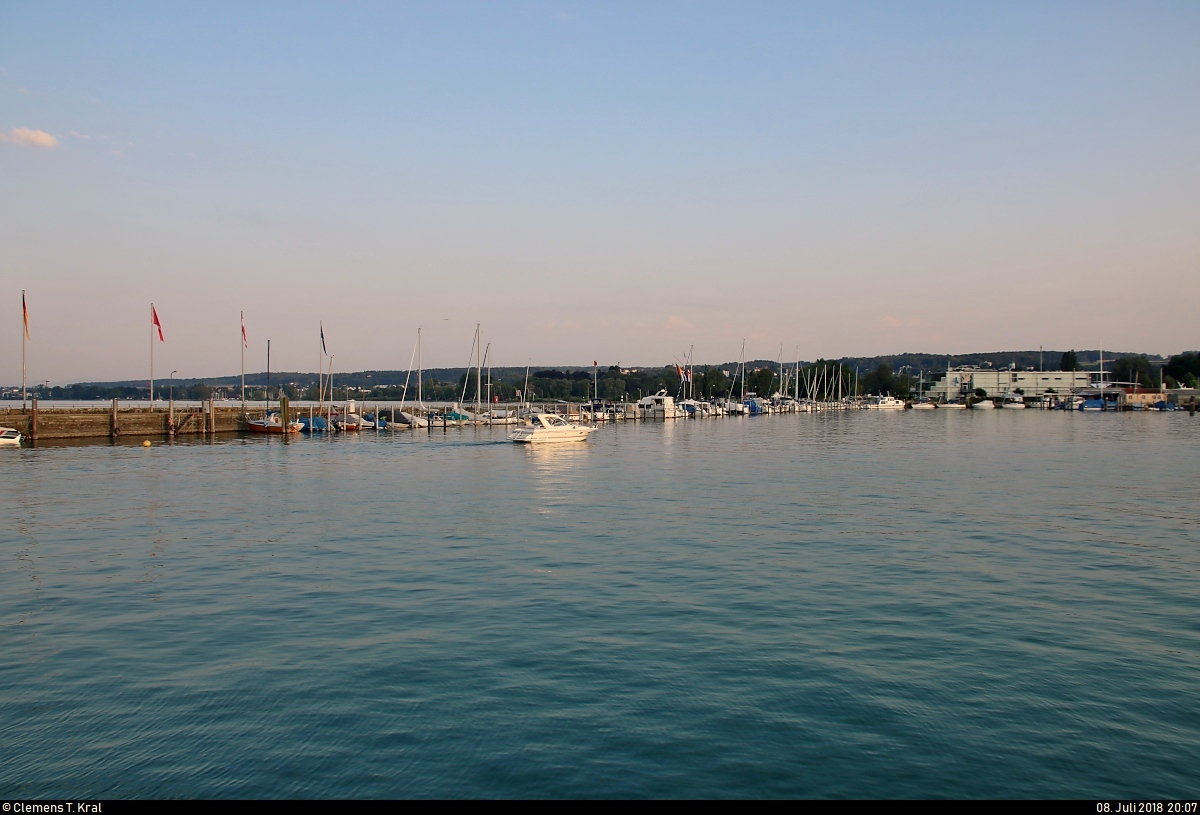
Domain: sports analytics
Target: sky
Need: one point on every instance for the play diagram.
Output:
(608, 181)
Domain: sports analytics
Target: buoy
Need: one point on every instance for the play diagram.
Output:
(146, 443)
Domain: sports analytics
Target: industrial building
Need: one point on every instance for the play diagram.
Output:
(960, 382)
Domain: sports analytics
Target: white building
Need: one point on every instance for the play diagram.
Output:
(998, 382)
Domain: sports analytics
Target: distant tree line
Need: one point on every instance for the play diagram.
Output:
(885, 375)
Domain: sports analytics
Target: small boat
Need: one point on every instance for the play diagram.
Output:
(317, 425)
(1013, 401)
(983, 404)
(10, 437)
(925, 406)
(546, 427)
(272, 424)
(412, 420)
(756, 406)
(886, 403)
(952, 406)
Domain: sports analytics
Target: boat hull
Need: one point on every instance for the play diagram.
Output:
(273, 428)
(554, 438)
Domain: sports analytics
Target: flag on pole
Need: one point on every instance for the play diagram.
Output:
(25, 313)
(323, 351)
(154, 321)
(245, 342)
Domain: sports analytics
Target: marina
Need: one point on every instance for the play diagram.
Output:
(720, 401)
(211, 418)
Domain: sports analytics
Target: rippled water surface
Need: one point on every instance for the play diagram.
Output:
(864, 604)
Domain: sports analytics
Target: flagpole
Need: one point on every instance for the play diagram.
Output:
(243, 345)
(152, 356)
(24, 331)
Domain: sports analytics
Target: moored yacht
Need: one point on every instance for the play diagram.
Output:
(10, 437)
(659, 406)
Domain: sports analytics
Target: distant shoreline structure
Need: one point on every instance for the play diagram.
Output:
(916, 361)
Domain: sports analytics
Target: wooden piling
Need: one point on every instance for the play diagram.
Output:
(33, 421)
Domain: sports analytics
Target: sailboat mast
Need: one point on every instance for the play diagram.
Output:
(408, 376)
(24, 330)
(478, 366)
(743, 365)
(242, 343)
(420, 394)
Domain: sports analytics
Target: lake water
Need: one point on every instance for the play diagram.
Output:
(1000, 604)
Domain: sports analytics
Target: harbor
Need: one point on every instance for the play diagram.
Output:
(211, 418)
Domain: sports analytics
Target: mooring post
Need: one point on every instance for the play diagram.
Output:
(33, 421)
(114, 429)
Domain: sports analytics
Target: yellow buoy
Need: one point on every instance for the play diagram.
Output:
(146, 443)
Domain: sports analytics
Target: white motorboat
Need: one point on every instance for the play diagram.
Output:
(9, 437)
(1013, 401)
(983, 404)
(546, 427)
(886, 403)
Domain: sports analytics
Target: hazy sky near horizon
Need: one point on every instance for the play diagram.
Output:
(609, 181)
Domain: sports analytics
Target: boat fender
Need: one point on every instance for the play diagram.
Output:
(116, 431)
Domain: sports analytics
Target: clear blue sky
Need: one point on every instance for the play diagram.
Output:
(611, 181)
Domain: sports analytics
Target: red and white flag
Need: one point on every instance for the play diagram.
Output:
(245, 343)
(25, 313)
(156, 324)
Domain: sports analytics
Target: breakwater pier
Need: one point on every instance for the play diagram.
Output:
(113, 421)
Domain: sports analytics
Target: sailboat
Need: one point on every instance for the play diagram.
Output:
(411, 419)
(271, 422)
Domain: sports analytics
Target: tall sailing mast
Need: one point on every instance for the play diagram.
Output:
(478, 367)
(743, 365)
